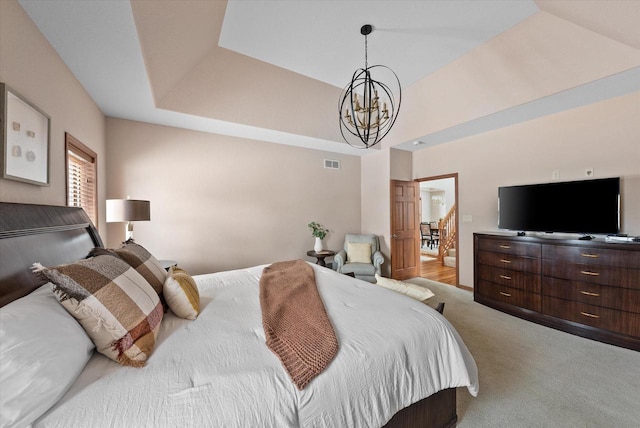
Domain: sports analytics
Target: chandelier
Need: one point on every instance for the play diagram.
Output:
(365, 118)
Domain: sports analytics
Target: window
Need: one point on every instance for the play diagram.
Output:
(82, 190)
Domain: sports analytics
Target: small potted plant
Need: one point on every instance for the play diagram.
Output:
(319, 232)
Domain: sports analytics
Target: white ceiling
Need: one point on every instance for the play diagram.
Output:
(322, 40)
(98, 40)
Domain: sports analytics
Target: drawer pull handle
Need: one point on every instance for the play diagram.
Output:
(505, 277)
(505, 261)
(587, 293)
(505, 294)
(587, 314)
(586, 272)
(592, 256)
(506, 247)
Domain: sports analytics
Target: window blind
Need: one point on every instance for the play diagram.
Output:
(81, 180)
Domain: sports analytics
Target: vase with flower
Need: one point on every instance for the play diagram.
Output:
(319, 232)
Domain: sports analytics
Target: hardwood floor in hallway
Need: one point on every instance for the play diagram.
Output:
(435, 271)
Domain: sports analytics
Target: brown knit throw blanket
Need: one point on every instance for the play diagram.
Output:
(295, 322)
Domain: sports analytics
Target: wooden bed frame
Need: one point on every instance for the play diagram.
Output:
(54, 235)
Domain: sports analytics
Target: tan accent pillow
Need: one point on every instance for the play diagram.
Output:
(115, 305)
(358, 252)
(412, 290)
(181, 293)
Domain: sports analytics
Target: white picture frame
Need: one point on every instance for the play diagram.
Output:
(25, 139)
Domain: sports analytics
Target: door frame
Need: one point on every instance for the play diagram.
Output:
(453, 175)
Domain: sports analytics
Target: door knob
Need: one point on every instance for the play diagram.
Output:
(394, 236)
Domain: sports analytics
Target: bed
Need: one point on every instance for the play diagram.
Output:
(398, 365)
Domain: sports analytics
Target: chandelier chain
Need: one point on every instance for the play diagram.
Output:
(366, 63)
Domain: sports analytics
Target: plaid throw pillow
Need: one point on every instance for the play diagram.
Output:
(141, 260)
(181, 293)
(115, 305)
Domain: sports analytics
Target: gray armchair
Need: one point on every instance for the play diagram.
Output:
(361, 270)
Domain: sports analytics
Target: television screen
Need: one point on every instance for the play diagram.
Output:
(588, 206)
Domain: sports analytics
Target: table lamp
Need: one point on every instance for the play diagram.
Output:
(128, 210)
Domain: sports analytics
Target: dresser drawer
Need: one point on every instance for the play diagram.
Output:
(623, 299)
(595, 316)
(597, 274)
(510, 278)
(511, 296)
(510, 247)
(589, 256)
(509, 261)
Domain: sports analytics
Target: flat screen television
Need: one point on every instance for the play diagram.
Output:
(587, 206)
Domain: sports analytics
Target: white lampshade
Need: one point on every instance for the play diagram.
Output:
(120, 210)
(128, 210)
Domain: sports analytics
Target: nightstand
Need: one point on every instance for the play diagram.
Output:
(320, 256)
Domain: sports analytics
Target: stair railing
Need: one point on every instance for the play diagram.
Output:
(447, 227)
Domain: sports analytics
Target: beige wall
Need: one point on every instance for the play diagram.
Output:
(603, 136)
(220, 203)
(375, 200)
(32, 67)
(401, 165)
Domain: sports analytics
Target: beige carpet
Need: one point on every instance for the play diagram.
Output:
(535, 376)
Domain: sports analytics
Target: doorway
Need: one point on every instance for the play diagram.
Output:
(438, 219)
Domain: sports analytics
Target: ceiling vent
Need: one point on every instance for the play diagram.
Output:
(331, 164)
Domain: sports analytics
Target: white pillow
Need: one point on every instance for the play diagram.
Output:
(43, 351)
(412, 290)
(359, 252)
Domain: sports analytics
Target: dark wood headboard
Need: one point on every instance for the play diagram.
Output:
(47, 234)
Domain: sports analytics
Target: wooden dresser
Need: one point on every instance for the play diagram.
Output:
(587, 288)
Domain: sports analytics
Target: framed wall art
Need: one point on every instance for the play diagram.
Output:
(25, 139)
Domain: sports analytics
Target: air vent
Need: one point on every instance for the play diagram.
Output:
(331, 164)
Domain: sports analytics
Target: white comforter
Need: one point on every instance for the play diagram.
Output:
(216, 371)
